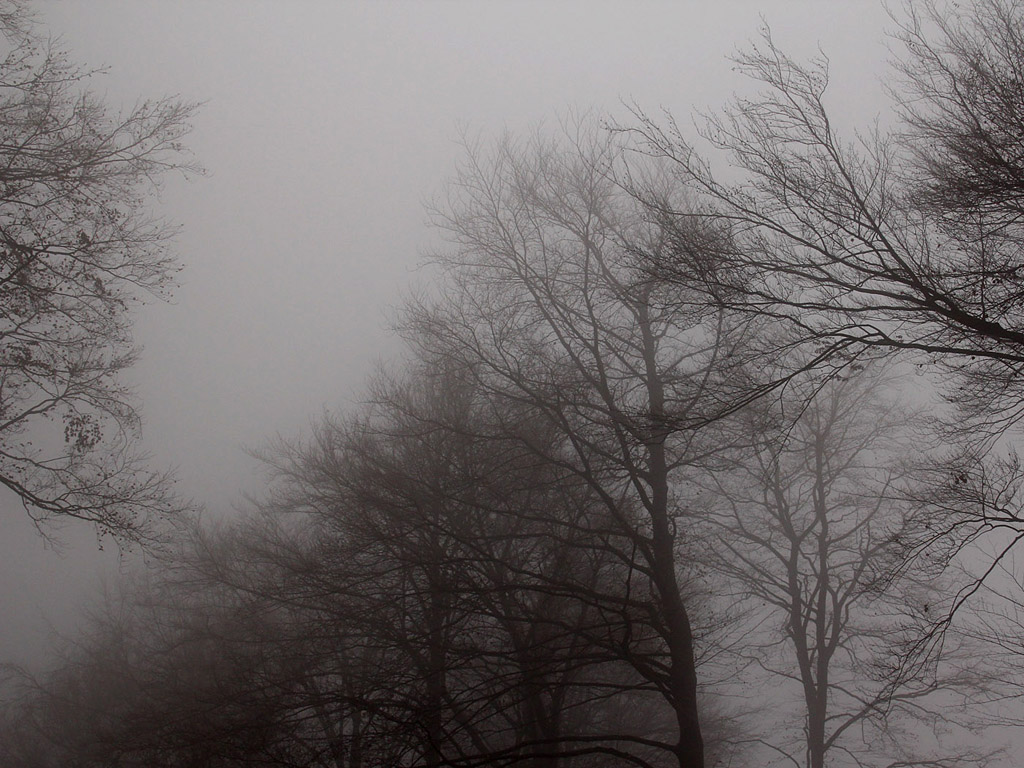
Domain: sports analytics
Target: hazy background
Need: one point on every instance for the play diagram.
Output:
(326, 125)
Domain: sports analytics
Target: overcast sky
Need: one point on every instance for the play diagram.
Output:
(324, 128)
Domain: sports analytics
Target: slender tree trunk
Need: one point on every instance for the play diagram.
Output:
(817, 711)
(683, 673)
(816, 735)
(435, 682)
(539, 727)
(355, 751)
(683, 682)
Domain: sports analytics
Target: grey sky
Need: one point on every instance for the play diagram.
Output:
(326, 125)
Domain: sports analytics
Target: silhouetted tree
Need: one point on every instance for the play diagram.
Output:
(544, 308)
(906, 240)
(815, 528)
(77, 249)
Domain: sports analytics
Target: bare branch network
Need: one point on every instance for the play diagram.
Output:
(693, 459)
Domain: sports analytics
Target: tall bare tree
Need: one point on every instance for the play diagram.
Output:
(905, 241)
(544, 308)
(814, 526)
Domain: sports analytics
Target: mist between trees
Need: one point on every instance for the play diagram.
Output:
(701, 451)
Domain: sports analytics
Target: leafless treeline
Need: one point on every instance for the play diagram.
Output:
(661, 480)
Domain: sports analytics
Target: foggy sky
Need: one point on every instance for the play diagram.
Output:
(325, 127)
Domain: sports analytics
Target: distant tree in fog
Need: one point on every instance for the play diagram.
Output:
(814, 529)
(487, 566)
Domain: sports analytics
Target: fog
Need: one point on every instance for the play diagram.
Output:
(673, 472)
(324, 128)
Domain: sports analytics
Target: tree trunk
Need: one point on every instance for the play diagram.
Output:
(683, 673)
(683, 680)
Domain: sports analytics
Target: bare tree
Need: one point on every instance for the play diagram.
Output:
(908, 240)
(543, 307)
(77, 249)
(814, 527)
(905, 241)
